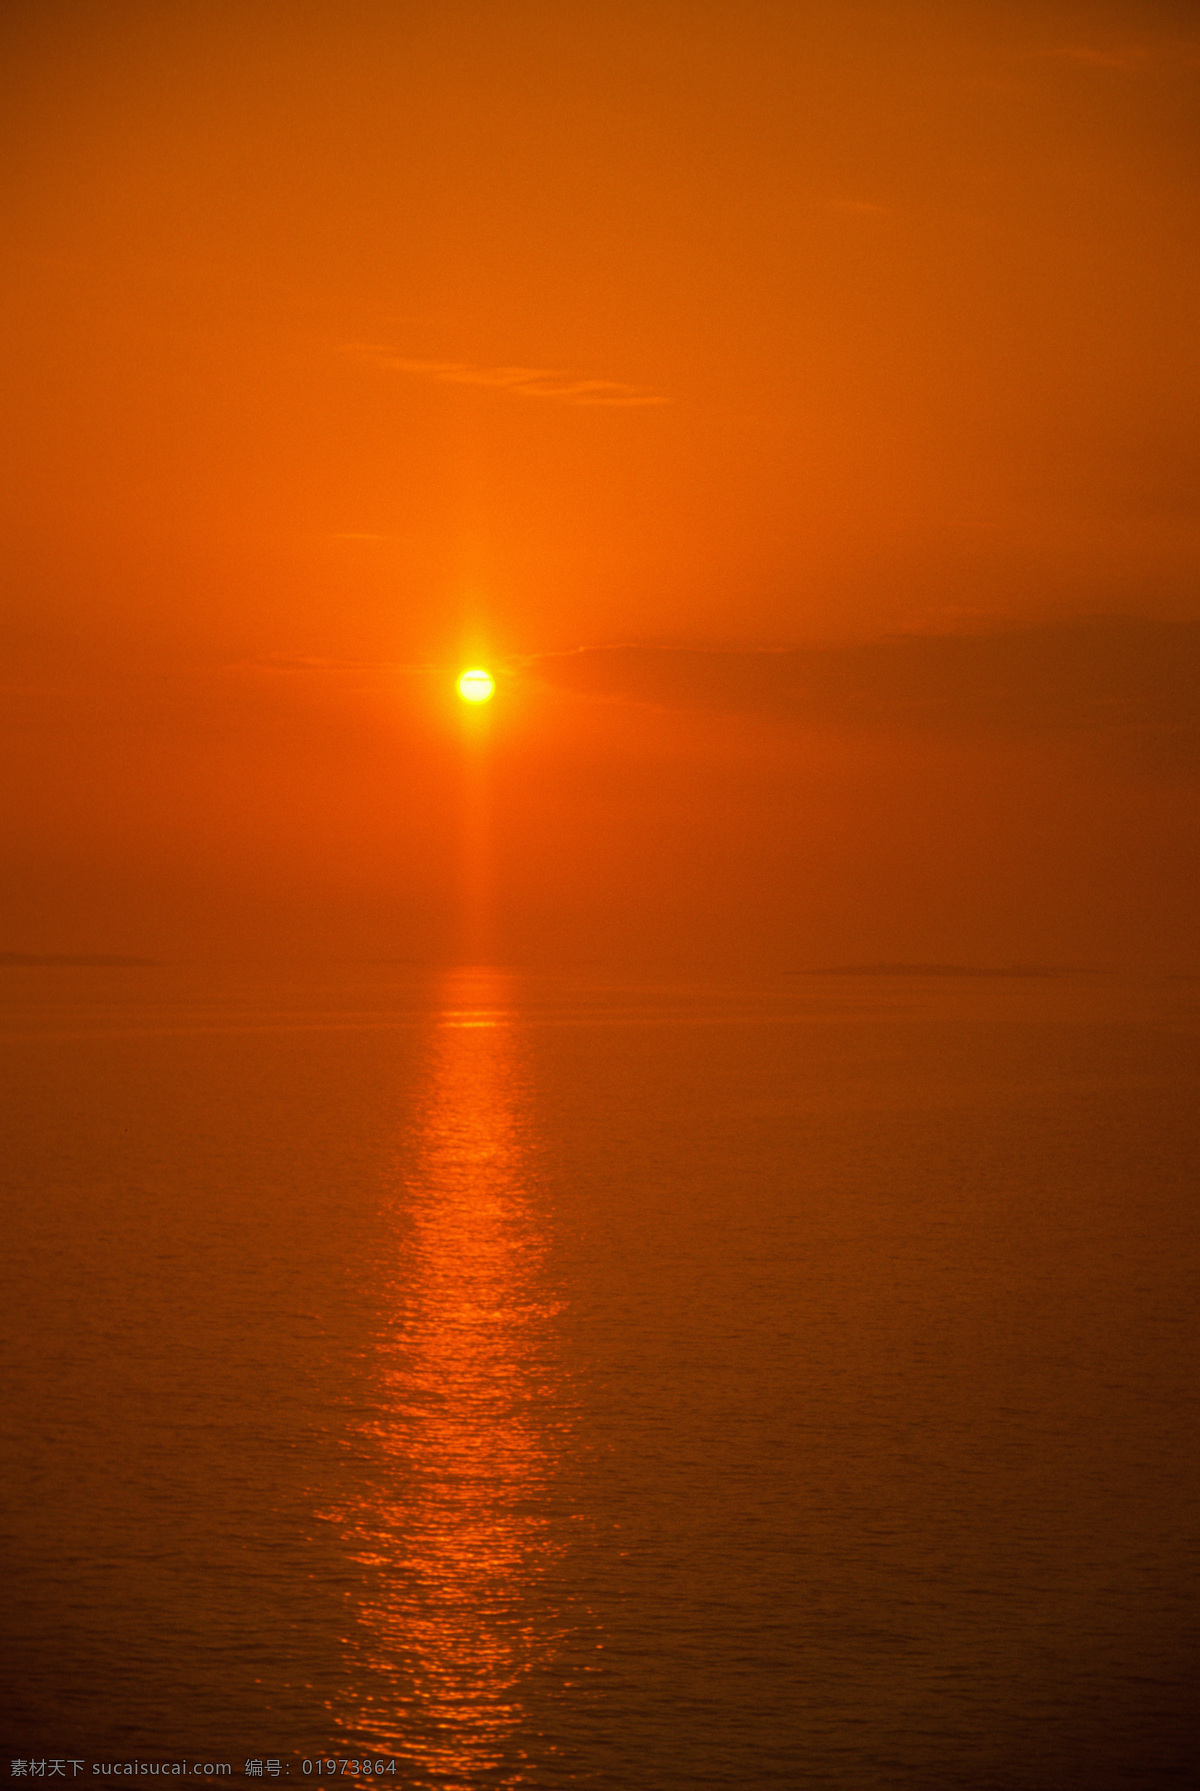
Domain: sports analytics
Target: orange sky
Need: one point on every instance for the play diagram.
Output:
(345, 343)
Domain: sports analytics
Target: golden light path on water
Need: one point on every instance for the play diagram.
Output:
(452, 1527)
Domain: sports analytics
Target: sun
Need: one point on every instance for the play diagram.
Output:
(476, 686)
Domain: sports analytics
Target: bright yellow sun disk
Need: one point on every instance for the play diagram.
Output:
(476, 686)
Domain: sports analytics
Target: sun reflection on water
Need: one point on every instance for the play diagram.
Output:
(452, 1526)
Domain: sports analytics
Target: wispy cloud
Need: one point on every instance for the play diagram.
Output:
(1131, 685)
(1128, 56)
(307, 664)
(523, 382)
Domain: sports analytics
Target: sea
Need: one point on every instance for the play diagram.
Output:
(470, 1378)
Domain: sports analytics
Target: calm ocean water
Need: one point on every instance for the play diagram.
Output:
(539, 1382)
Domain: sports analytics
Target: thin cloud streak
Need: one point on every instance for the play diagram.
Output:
(1133, 685)
(524, 382)
(1128, 57)
(269, 664)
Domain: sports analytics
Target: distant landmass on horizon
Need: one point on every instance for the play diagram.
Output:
(939, 970)
(32, 960)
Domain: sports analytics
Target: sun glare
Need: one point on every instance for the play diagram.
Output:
(476, 686)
